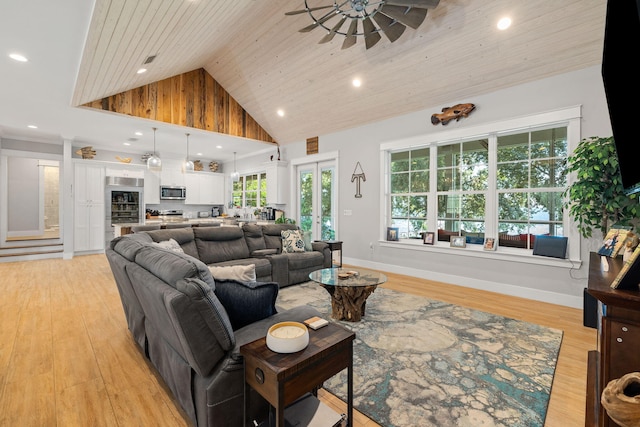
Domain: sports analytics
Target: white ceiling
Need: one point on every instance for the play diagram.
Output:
(80, 50)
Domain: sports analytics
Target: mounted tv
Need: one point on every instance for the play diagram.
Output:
(622, 85)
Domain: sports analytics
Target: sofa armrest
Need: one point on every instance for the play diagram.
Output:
(279, 268)
(260, 253)
(247, 302)
(324, 248)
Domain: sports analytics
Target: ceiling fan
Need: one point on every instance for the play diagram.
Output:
(391, 16)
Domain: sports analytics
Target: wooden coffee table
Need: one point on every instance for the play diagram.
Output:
(282, 378)
(348, 294)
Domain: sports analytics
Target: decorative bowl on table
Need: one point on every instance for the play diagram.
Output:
(287, 337)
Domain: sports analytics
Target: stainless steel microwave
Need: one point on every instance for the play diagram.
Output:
(172, 192)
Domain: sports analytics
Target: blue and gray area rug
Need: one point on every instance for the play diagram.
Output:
(429, 363)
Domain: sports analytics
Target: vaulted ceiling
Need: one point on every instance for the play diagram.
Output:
(256, 53)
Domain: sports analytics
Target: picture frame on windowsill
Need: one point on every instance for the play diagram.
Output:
(392, 234)
(429, 238)
(489, 244)
(458, 242)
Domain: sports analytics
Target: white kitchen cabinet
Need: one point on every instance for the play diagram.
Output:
(277, 182)
(151, 188)
(171, 173)
(204, 188)
(212, 189)
(192, 182)
(89, 207)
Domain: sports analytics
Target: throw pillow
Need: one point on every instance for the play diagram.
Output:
(307, 241)
(171, 245)
(247, 302)
(292, 241)
(242, 273)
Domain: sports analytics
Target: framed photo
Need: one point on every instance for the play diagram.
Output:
(489, 244)
(429, 238)
(392, 233)
(458, 242)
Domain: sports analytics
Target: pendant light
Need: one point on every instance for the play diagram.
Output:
(154, 162)
(187, 165)
(235, 176)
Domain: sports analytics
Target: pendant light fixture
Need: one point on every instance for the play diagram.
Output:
(187, 165)
(154, 162)
(235, 176)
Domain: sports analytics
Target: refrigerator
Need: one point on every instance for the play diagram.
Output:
(124, 202)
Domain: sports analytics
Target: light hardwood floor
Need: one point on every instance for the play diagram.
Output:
(67, 358)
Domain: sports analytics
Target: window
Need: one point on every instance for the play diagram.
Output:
(409, 191)
(250, 191)
(506, 182)
(531, 177)
(462, 189)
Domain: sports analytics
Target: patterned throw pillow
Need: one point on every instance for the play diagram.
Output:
(172, 245)
(292, 241)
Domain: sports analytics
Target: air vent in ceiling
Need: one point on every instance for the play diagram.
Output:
(149, 59)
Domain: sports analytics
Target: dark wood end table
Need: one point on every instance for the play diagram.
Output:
(283, 378)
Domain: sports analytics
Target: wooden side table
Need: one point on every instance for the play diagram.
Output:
(283, 378)
(335, 246)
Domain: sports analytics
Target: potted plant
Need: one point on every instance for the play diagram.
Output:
(596, 198)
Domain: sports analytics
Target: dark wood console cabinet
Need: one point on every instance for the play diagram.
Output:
(618, 336)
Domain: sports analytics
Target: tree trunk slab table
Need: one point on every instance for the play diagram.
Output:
(349, 290)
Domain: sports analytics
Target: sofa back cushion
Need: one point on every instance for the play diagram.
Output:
(253, 236)
(202, 324)
(170, 266)
(219, 244)
(184, 237)
(273, 234)
(129, 244)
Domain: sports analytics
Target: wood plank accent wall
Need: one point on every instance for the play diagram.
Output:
(193, 99)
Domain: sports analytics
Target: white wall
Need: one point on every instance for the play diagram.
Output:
(549, 283)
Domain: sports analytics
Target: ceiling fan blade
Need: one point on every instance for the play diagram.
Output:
(311, 9)
(318, 22)
(371, 36)
(329, 36)
(350, 39)
(423, 4)
(412, 18)
(391, 28)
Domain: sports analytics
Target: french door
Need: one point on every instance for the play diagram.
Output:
(317, 199)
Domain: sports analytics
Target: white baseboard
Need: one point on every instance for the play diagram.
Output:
(469, 282)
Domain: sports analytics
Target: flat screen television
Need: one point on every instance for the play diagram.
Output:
(621, 80)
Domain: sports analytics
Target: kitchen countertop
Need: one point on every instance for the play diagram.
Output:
(163, 221)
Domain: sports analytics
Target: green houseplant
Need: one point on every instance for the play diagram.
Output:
(596, 198)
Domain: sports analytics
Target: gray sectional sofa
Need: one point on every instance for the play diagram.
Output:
(191, 326)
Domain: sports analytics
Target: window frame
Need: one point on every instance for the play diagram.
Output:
(569, 117)
(262, 188)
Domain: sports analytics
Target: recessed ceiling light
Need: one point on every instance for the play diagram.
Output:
(198, 154)
(126, 143)
(141, 70)
(18, 57)
(218, 146)
(139, 133)
(356, 83)
(32, 127)
(504, 23)
(281, 113)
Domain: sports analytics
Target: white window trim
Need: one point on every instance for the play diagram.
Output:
(570, 116)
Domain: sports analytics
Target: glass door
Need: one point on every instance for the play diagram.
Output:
(317, 204)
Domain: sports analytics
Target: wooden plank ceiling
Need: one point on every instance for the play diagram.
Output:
(258, 55)
(192, 99)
